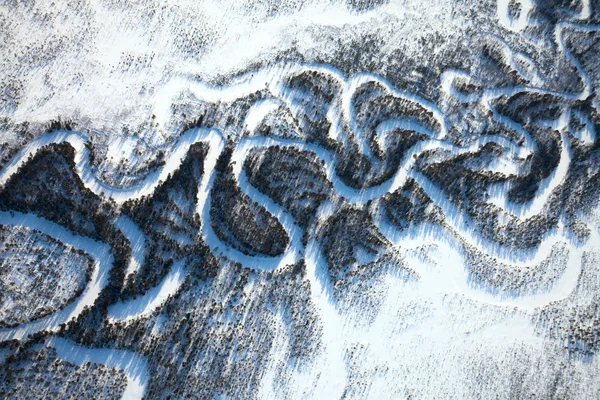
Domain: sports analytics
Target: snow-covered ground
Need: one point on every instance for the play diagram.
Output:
(137, 243)
(151, 300)
(441, 332)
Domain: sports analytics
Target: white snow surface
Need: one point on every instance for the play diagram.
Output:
(151, 300)
(431, 333)
(137, 243)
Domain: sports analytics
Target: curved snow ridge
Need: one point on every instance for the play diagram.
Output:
(100, 253)
(258, 112)
(137, 243)
(462, 231)
(83, 168)
(272, 79)
(275, 79)
(76, 140)
(349, 114)
(448, 277)
(212, 137)
(453, 277)
(454, 217)
(498, 194)
(156, 296)
(587, 89)
(387, 127)
(546, 187)
(239, 87)
(293, 250)
(588, 86)
(152, 299)
(133, 365)
(513, 57)
(216, 144)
